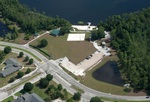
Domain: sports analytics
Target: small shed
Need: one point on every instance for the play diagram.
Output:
(36, 34)
(55, 32)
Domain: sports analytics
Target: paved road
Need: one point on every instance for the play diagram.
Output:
(62, 77)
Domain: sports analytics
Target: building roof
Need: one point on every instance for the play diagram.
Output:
(11, 61)
(55, 32)
(11, 66)
(36, 34)
(29, 98)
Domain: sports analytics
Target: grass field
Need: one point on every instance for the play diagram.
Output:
(59, 47)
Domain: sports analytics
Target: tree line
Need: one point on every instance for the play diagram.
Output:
(29, 21)
(130, 36)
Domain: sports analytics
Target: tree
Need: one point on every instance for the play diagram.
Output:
(95, 99)
(43, 83)
(43, 43)
(28, 71)
(64, 30)
(31, 61)
(49, 77)
(20, 74)
(59, 87)
(26, 58)
(77, 96)
(21, 54)
(28, 87)
(7, 49)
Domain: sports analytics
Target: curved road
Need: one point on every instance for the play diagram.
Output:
(66, 80)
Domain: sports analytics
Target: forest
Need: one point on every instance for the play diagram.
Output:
(29, 20)
(131, 39)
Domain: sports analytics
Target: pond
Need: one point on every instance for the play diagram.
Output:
(109, 73)
(3, 29)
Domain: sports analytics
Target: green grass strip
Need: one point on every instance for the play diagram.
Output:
(77, 88)
(22, 82)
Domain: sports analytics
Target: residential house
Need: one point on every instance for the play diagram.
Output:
(29, 98)
(11, 66)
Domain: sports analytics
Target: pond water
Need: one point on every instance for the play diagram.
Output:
(109, 73)
(86, 10)
(3, 29)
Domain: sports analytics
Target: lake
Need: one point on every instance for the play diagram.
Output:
(86, 10)
(109, 73)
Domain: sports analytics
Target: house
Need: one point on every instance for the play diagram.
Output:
(29, 98)
(11, 66)
(55, 32)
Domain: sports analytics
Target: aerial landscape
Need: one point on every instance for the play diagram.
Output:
(74, 51)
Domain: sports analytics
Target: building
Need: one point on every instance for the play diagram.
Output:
(11, 66)
(29, 98)
(55, 32)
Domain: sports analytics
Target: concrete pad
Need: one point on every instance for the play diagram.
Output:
(76, 37)
(84, 27)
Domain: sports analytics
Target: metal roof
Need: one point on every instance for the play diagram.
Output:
(55, 32)
(29, 98)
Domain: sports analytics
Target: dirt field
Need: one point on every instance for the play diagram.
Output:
(59, 47)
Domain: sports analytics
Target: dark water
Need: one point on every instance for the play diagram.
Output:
(86, 10)
(109, 73)
(3, 29)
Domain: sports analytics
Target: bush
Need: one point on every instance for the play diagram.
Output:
(21, 54)
(30, 61)
(12, 79)
(26, 58)
(127, 89)
(28, 71)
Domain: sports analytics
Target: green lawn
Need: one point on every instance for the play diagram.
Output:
(59, 47)
(39, 92)
(9, 99)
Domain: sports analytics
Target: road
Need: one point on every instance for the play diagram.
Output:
(60, 76)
